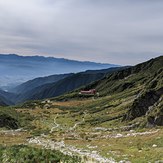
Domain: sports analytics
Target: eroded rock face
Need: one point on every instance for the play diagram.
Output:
(142, 104)
(8, 122)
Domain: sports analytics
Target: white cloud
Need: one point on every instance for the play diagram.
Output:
(104, 30)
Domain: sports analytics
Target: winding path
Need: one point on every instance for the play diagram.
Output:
(78, 123)
(56, 124)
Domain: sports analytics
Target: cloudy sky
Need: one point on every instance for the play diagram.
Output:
(114, 31)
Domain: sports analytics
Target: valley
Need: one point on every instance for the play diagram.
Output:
(66, 129)
(122, 124)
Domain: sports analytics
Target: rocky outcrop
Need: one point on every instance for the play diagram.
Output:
(142, 104)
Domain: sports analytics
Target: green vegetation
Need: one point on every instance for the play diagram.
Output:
(26, 154)
(11, 119)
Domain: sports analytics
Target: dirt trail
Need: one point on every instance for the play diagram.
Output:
(78, 123)
(86, 155)
(56, 125)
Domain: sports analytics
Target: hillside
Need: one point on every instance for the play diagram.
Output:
(146, 80)
(15, 69)
(2, 101)
(5, 98)
(142, 84)
(37, 82)
(145, 74)
(122, 124)
(68, 83)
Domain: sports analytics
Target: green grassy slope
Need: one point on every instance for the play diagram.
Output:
(142, 84)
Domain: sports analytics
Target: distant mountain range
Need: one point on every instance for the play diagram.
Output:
(15, 69)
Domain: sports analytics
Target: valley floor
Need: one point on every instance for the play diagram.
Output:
(72, 128)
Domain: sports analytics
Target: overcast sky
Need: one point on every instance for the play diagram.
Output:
(113, 31)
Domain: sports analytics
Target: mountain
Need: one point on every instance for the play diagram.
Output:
(68, 82)
(140, 76)
(138, 89)
(5, 98)
(31, 84)
(23, 68)
(2, 101)
(142, 84)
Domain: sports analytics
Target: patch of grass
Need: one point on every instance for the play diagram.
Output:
(23, 153)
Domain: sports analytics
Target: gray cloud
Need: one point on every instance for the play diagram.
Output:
(121, 32)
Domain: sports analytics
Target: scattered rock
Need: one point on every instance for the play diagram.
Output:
(154, 145)
(46, 106)
(70, 150)
(100, 129)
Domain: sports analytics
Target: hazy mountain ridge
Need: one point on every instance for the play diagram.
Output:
(2, 101)
(31, 84)
(5, 98)
(23, 68)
